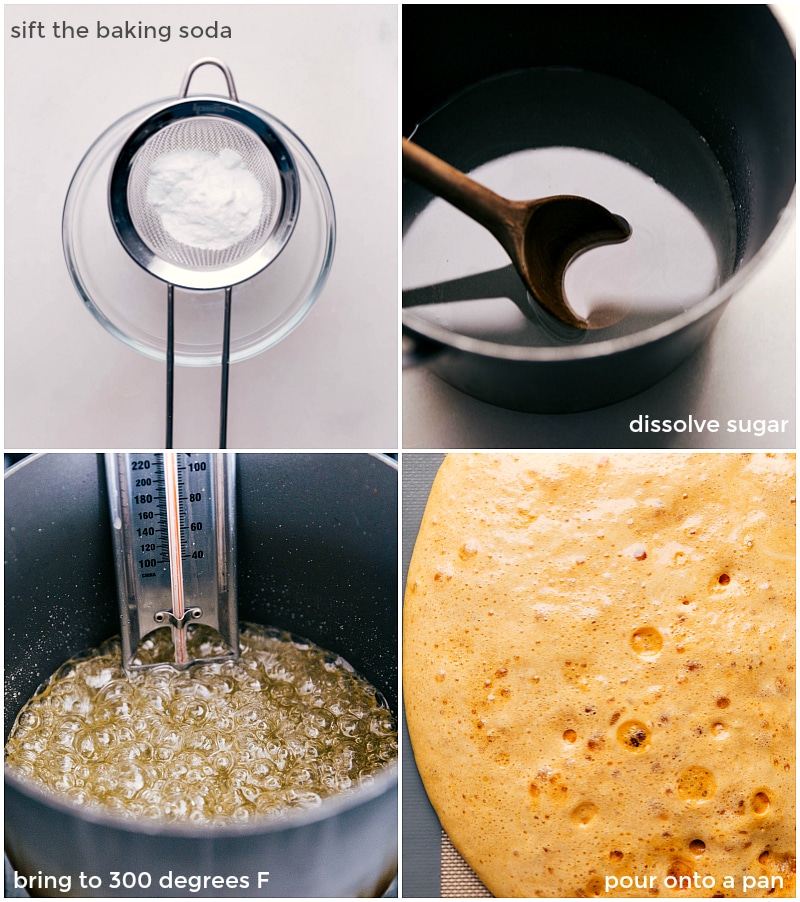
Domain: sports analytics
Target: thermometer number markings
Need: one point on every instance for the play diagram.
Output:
(150, 507)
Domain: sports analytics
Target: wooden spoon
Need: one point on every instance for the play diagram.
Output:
(542, 237)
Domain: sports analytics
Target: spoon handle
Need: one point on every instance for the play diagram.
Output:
(479, 203)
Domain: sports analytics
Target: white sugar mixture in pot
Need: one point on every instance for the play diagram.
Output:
(205, 200)
(544, 132)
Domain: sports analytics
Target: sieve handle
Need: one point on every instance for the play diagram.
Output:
(208, 61)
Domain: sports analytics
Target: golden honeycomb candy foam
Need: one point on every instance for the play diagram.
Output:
(599, 670)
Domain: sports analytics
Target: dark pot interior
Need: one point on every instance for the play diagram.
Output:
(317, 551)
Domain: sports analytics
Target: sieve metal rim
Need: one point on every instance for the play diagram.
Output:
(170, 272)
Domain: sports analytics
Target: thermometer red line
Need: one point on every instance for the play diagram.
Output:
(175, 560)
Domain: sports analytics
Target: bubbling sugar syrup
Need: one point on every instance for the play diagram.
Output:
(281, 728)
(542, 132)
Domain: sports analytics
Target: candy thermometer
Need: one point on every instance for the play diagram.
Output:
(173, 518)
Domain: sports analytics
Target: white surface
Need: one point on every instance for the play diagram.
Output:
(745, 371)
(329, 73)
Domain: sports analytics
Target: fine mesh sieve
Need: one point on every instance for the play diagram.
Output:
(212, 135)
(224, 134)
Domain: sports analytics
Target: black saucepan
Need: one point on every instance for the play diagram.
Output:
(317, 553)
(728, 70)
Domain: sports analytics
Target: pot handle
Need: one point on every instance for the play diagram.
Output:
(208, 61)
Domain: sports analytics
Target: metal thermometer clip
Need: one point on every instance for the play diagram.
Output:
(173, 529)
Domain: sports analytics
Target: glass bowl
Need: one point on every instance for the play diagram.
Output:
(132, 304)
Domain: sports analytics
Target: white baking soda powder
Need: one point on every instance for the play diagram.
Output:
(205, 200)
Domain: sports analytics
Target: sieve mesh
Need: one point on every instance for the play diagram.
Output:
(213, 135)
